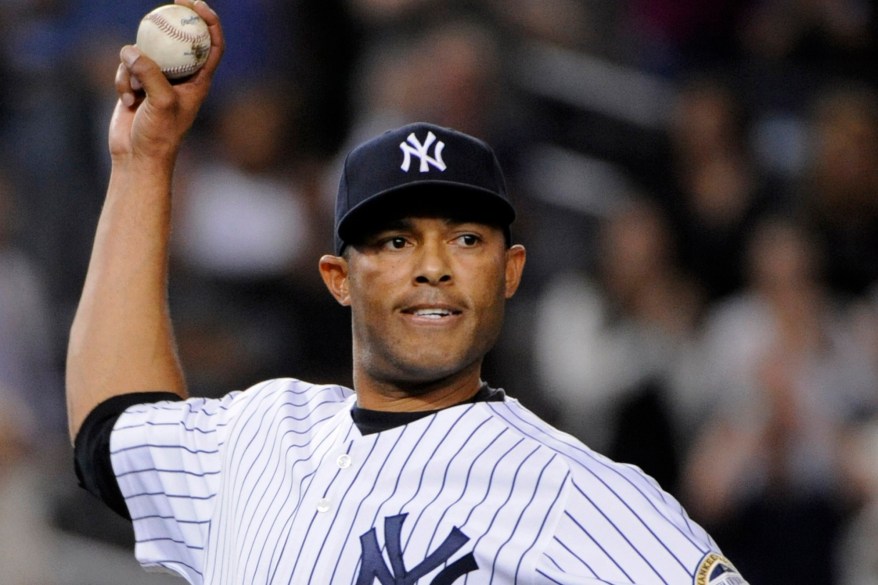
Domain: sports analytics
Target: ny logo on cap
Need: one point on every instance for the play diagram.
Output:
(413, 146)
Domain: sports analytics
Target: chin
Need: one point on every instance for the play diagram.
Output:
(425, 373)
(425, 370)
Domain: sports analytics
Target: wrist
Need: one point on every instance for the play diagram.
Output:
(143, 179)
(151, 169)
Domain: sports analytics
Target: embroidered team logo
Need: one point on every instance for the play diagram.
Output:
(413, 147)
(373, 565)
(717, 570)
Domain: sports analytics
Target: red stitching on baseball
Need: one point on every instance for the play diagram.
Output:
(171, 30)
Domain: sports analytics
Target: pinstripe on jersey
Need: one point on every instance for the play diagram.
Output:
(276, 485)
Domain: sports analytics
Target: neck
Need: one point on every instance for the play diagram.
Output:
(395, 396)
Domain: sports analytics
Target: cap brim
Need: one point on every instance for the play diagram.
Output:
(424, 198)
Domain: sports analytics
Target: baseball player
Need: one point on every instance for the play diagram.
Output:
(423, 473)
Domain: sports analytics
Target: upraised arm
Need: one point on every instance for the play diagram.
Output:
(121, 339)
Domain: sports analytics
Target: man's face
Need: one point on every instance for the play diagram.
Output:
(427, 297)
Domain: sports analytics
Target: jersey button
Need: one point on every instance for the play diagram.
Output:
(344, 461)
(323, 505)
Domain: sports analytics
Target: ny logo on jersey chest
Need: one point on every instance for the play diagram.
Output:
(373, 566)
(414, 147)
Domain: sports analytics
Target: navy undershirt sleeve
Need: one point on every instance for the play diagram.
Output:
(91, 448)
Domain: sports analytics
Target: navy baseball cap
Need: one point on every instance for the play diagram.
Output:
(419, 167)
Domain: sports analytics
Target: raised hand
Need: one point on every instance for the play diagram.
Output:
(152, 115)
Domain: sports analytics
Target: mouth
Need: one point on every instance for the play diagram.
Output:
(433, 312)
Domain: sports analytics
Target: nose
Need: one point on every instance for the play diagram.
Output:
(433, 264)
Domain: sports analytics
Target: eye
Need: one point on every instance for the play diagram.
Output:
(468, 240)
(395, 243)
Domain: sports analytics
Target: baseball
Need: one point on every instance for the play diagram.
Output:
(176, 38)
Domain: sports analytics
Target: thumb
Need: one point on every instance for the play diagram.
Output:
(144, 73)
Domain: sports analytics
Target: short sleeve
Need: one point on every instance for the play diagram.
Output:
(167, 460)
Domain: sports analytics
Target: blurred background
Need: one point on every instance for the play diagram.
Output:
(697, 185)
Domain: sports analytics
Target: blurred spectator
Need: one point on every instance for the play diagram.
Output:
(788, 376)
(241, 209)
(614, 348)
(858, 560)
(32, 417)
(841, 186)
(445, 71)
(28, 552)
(250, 225)
(29, 381)
(717, 192)
(462, 90)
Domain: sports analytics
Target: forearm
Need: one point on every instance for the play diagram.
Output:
(121, 339)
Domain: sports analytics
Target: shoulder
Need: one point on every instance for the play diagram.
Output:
(293, 391)
(294, 397)
(612, 506)
(288, 394)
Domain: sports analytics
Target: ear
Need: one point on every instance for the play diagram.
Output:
(334, 271)
(515, 258)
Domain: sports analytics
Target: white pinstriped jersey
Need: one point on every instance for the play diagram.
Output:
(277, 485)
